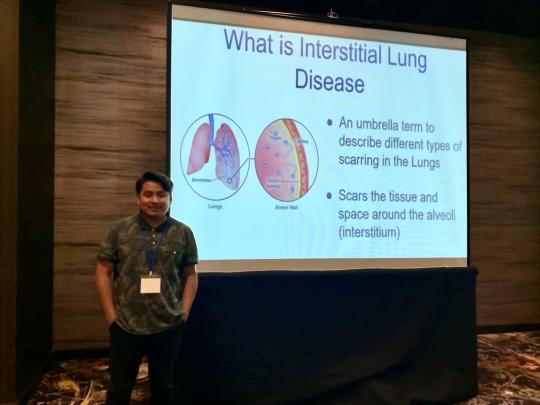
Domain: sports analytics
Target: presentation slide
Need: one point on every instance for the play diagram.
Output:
(297, 145)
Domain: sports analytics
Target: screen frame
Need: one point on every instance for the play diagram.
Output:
(347, 22)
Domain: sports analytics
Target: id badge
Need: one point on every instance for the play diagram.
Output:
(151, 284)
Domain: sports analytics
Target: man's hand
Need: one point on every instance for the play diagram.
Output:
(190, 289)
(104, 272)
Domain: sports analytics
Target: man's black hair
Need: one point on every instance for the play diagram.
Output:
(164, 181)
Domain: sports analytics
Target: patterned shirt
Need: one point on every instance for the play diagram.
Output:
(138, 313)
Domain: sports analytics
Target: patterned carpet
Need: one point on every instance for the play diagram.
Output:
(508, 369)
(509, 373)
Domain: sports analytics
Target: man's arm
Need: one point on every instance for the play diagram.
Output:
(104, 272)
(191, 282)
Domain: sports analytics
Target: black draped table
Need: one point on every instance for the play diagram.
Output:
(334, 337)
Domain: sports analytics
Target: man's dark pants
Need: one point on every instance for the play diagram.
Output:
(126, 353)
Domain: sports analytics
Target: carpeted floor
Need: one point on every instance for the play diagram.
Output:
(508, 369)
(508, 363)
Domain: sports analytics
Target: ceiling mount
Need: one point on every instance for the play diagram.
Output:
(332, 14)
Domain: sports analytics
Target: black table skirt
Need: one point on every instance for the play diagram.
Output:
(333, 337)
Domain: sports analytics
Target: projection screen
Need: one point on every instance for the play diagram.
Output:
(301, 145)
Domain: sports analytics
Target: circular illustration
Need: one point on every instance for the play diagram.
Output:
(286, 160)
(218, 175)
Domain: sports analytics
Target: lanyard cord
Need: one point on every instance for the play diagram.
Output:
(151, 257)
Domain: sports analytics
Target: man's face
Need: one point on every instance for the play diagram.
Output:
(153, 201)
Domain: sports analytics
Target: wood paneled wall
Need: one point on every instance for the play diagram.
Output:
(111, 126)
(504, 139)
(26, 205)
(9, 135)
(35, 188)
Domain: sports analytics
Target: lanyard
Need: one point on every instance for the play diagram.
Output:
(151, 257)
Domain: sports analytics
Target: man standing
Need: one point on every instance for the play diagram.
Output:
(146, 280)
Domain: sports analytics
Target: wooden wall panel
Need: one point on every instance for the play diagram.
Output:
(26, 220)
(110, 127)
(9, 136)
(111, 121)
(504, 125)
(35, 183)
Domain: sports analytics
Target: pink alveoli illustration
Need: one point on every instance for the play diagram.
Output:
(280, 161)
